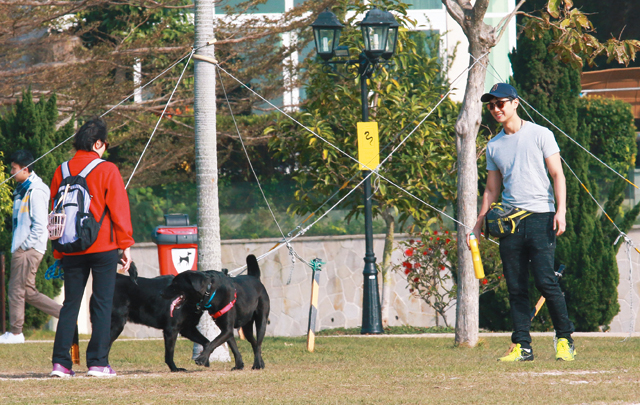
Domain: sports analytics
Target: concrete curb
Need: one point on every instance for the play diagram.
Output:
(493, 334)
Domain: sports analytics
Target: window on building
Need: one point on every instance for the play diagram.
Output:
(268, 7)
(428, 42)
(424, 4)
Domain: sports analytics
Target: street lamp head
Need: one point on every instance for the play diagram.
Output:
(392, 39)
(326, 31)
(375, 31)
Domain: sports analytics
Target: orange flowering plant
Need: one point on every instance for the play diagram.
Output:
(430, 267)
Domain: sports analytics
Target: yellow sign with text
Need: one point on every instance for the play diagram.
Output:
(368, 145)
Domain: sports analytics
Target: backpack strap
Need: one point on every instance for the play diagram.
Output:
(85, 172)
(64, 167)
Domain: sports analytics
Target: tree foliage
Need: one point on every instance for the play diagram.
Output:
(574, 40)
(401, 95)
(33, 126)
(6, 202)
(86, 53)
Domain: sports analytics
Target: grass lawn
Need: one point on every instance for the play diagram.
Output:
(342, 370)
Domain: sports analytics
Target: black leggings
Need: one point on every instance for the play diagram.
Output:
(533, 246)
(102, 267)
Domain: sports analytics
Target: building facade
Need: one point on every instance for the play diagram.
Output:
(431, 17)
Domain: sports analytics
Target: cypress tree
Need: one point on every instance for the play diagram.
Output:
(32, 125)
(591, 276)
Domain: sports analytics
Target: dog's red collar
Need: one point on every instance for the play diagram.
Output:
(227, 307)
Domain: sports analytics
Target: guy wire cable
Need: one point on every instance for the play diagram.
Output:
(186, 65)
(108, 111)
(344, 185)
(292, 252)
(246, 153)
(582, 147)
(331, 144)
(301, 232)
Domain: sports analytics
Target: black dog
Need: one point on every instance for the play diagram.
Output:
(138, 300)
(232, 302)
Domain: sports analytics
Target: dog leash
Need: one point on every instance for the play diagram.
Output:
(54, 271)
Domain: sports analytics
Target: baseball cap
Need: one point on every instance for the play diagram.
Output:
(500, 90)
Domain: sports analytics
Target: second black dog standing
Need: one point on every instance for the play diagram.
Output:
(232, 302)
(138, 300)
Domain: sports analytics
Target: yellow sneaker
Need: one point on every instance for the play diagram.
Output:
(518, 354)
(564, 350)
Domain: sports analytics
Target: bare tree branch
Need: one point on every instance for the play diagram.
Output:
(504, 23)
(455, 11)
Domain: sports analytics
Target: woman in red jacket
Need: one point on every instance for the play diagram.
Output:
(109, 198)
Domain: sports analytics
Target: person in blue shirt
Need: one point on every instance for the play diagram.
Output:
(29, 243)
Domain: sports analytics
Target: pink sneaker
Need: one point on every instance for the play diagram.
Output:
(61, 371)
(101, 371)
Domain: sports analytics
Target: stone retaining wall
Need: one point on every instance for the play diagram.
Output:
(340, 299)
(289, 286)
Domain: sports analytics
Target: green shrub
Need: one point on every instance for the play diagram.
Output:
(430, 267)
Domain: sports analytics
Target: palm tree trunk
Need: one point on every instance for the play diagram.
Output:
(209, 250)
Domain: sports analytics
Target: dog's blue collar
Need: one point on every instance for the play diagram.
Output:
(200, 306)
(208, 304)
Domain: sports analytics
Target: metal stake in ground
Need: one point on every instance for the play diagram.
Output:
(316, 265)
(542, 299)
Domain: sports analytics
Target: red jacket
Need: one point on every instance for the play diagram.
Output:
(107, 188)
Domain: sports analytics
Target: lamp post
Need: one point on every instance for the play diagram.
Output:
(380, 33)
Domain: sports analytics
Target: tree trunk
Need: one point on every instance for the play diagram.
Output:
(387, 279)
(467, 126)
(209, 250)
(482, 38)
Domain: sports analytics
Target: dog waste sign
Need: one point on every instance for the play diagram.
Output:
(177, 244)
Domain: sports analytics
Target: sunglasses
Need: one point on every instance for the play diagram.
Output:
(498, 103)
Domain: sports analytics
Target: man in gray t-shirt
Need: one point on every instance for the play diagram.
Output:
(521, 158)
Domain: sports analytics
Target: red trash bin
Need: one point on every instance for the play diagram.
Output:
(177, 244)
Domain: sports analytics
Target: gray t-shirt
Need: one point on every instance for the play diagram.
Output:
(520, 158)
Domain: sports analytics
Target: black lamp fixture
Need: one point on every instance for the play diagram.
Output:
(392, 39)
(380, 34)
(326, 31)
(375, 32)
